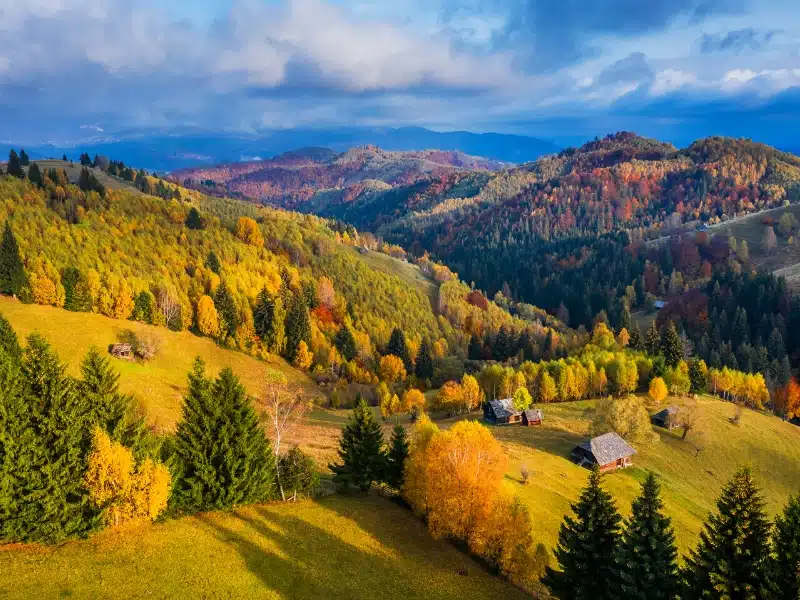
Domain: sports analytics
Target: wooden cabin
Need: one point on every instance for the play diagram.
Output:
(795, 421)
(668, 418)
(124, 351)
(533, 416)
(609, 451)
(501, 412)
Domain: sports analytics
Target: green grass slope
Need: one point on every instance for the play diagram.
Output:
(690, 483)
(338, 547)
(73, 170)
(408, 273)
(159, 383)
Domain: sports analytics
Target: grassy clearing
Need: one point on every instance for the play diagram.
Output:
(407, 272)
(160, 383)
(337, 547)
(73, 170)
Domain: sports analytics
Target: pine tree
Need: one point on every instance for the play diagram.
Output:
(475, 351)
(636, 341)
(423, 365)
(346, 343)
(12, 272)
(14, 166)
(647, 555)
(396, 457)
(298, 326)
(268, 321)
(360, 452)
(586, 548)
(785, 568)
(35, 175)
(502, 347)
(24, 160)
(212, 262)
(732, 559)
(194, 220)
(652, 340)
(671, 346)
(775, 345)
(226, 308)
(223, 457)
(398, 347)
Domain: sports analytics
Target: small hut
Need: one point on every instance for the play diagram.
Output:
(533, 416)
(667, 418)
(609, 451)
(795, 421)
(124, 351)
(501, 412)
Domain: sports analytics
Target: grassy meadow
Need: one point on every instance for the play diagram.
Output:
(159, 383)
(335, 547)
(409, 273)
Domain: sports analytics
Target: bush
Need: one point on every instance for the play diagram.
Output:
(298, 473)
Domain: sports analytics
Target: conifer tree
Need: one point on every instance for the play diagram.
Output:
(636, 341)
(398, 347)
(194, 220)
(785, 571)
(423, 366)
(647, 556)
(223, 457)
(396, 457)
(346, 343)
(226, 308)
(652, 340)
(360, 451)
(14, 166)
(501, 349)
(732, 559)
(35, 175)
(475, 351)
(298, 326)
(212, 262)
(671, 346)
(12, 272)
(587, 545)
(24, 160)
(268, 321)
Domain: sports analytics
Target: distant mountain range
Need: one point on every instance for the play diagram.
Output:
(168, 152)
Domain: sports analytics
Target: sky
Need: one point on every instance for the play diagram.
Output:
(558, 69)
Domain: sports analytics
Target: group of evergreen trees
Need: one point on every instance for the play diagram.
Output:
(739, 556)
(283, 321)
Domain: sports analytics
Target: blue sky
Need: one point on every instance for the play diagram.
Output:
(563, 69)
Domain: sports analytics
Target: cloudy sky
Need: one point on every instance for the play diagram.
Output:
(563, 69)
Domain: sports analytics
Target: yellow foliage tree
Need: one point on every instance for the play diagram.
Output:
(658, 390)
(413, 400)
(124, 493)
(249, 232)
(471, 393)
(304, 356)
(626, 416)
(207, 317)
(450, 397)
(392, 369)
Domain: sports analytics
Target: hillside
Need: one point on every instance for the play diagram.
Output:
(291, 180)
(300, 550)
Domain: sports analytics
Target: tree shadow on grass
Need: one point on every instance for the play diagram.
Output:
(553, 440)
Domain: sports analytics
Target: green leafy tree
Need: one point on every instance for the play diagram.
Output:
(587, 545)
(671, 346)
(522, 399)
(785, 571)
(731, 561)
(194, 220)
(298, 326)
(399, 448)
(223, 457)
(212, 262)
(299, 475)
(144, 307)
(360, 452)
(226, 308)
(14, 166)
(647, 556)
(423, 365)
(346, 343)
(12, 272)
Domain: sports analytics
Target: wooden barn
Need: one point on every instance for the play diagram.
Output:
(501, 412)
(124, 351)
(669, 418)
(609, 451)
(533, 416)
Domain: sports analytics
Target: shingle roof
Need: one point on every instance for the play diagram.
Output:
(608, 448)
(503, 408)
(534, 414)
(664, 414)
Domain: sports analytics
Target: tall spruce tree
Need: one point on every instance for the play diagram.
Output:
(397, 346)
(671, 346)
(269, 321)
(212, 262)
(785, 568)
(35, 175)
(731, 561)
(14, 166)
(223, 457)
(24, 159)
(12, 272)
(396, 457)
(423, 365)
(587, 545)
(193, 219)
(502, 347)
(44, 435)
(298, 326)
(636, 342)
(652, 340)
(475, 351)
(647, 556)
(346, 343)
(360, 451)
(226, 308)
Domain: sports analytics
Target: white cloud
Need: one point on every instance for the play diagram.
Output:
(670, 80)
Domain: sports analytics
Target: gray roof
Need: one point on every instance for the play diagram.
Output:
(534, 414)
(670, 410)
(608, 448)
(504, 408)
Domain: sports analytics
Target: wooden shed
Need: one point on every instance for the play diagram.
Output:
(669, 418)
(124, 351)
(501, 412)
(533, 416)
(609, 451)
